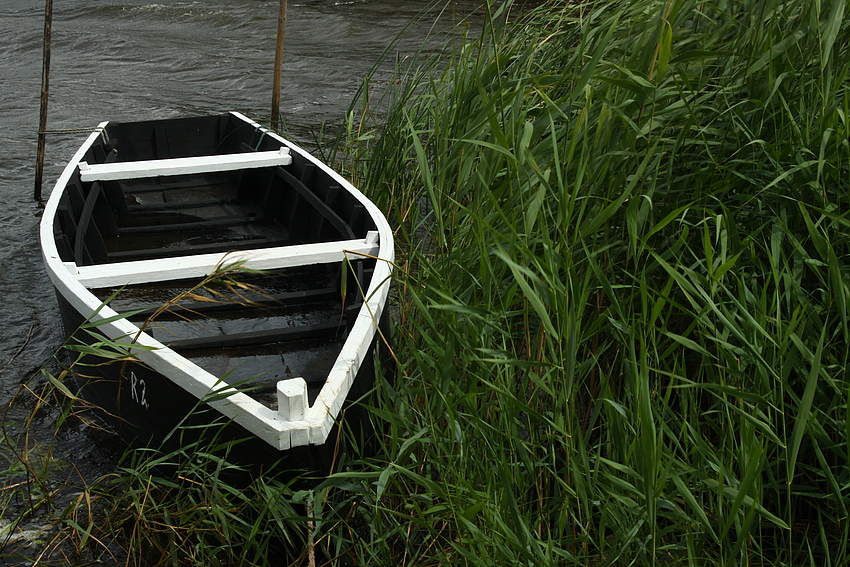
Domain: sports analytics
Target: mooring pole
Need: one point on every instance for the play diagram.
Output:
(278, 63)
(45, 82)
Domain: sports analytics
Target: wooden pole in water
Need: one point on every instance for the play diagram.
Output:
(278, 63)
(45, 82)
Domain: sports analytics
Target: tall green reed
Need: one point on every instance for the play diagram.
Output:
(623, 298)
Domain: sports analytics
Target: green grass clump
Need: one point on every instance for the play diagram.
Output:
(623, 289)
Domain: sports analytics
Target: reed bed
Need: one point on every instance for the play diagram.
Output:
(621, 311)
(623, 292)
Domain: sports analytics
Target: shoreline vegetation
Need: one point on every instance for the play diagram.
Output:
(623, 313)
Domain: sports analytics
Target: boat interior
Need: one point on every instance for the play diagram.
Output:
(251, 328)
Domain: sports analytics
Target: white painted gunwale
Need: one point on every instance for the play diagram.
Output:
(251, 414)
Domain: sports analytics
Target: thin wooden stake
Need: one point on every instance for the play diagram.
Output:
(278, 63)
(45, 83)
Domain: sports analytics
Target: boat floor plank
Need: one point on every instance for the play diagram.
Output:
(142, 186)
(152, 244)
(256, 370)
(290, 300)
(283, 285)
(179, 205)
(195, 248)
(254, 338)
(157, 214)
(197, 225)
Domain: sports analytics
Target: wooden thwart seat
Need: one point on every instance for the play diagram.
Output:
(164, 269)
(182, 166)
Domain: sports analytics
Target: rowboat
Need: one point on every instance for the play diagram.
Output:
(243, 275)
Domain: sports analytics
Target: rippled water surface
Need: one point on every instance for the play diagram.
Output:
(135, 59)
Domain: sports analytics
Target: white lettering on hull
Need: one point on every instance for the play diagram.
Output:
(140, 394)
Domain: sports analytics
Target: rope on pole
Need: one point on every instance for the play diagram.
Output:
(82, 130)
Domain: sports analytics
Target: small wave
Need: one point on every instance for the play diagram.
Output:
(157, 13)
(182, 12)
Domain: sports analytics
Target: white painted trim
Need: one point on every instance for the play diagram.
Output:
(292, 398)
(202, 265)
(182, 166)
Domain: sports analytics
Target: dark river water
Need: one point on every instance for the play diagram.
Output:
(137, 59)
